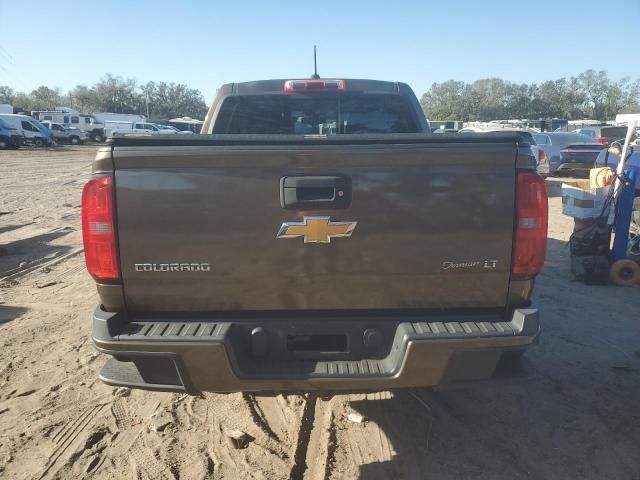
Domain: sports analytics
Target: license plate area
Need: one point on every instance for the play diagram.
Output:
(312, 339)
(317, 343)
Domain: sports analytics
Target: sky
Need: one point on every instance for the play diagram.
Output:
(205, 44)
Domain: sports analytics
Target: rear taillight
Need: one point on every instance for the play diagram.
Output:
(306, 86)
(603, 141)
(542, 157)
(530, 243)
(98, 230)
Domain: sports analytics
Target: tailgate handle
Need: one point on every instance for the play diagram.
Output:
(315, 192)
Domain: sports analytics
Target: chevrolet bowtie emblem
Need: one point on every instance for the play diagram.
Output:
(316, 229)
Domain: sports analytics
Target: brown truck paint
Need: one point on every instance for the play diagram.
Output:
(399, 253)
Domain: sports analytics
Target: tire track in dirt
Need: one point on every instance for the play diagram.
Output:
(144, 462)
(146, 465)
(304, 435)
(38, 264)
(64, 438)
(332, 445)
(391, 442)
(258, 416)
(321, 441)
(282, 413)
(268, 454)
(371, 433)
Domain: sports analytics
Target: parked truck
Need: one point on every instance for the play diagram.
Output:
(315, 237)
(70, 118)
(65, 134)
(140, 127)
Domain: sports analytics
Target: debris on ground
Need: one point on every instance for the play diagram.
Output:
(355, 417)
(237, 438)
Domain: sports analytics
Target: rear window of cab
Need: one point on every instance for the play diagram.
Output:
(316, 114)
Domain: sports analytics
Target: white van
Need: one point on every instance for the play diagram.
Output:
(34, 131)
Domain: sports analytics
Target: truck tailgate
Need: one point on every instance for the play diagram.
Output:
(198, 225)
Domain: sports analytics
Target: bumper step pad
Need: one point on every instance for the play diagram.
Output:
(214, 354)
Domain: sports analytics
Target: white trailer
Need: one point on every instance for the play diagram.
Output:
(627, 118)
(105, 117)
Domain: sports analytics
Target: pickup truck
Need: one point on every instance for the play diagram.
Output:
(315, 237)
(64, 134)
(150, 128)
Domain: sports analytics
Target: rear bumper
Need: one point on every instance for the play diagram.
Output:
(565, 167)
(222, 355)
(543, 168)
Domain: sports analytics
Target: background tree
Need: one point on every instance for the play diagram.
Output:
(444, 100)
(632, 98)
(592, 94)
(45, 98)
(589, 95)
(118, 95)
(596, 87)
(84, 99)
(169, 100)
(23, 102)
(7, 95)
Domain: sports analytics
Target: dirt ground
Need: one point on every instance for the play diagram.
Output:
(571, 412)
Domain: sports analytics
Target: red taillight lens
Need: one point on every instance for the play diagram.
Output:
(542, 157)
(603, 141)
(306, 86)
(530, 244)
(98, 229)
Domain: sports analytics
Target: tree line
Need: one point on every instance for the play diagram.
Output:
(590, 95)
(115, 94)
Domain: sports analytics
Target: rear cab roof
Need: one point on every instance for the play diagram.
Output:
(276, 86)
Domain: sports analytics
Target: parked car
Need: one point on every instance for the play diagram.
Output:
(567, 152)
(226, 262)
(34, 131)
(186, 124)
(538, 152)
(64, 134)
(10, 137)
(164, 129)
(602, 134)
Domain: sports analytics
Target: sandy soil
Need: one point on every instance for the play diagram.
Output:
(570, 412)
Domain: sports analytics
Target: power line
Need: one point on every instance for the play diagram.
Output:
(17, 74)
(6, 54)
